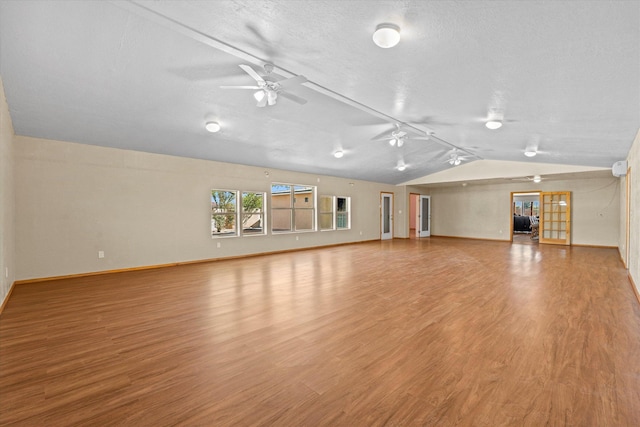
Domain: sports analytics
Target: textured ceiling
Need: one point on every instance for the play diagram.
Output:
(564, 75)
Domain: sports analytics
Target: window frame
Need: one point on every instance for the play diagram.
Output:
(347, 211)
(262, 213)
(294, 189)
(233, 213)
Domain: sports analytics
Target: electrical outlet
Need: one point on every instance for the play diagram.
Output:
(297, 237)
(100, 254)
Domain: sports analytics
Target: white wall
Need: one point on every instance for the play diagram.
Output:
(484, 210)
(146, 209)
(633, 161)
(7, 205)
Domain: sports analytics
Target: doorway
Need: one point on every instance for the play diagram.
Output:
(386, 216)
(525, 213)
(419, 215)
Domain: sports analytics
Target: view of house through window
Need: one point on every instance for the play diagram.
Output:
(292, 208)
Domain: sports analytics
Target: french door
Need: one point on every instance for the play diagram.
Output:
(423, 228)
(386, 216)
(555, 217)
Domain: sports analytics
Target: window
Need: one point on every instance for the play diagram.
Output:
(224, 213)
(343, 208)
(326, 212)
(253, 213)
(291, 213)
(335, 213)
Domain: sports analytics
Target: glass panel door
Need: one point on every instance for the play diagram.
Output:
(386, 230)
(555, 218)
(425, 216)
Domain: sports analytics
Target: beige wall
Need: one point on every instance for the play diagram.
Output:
(484, 210)
(145, 209)
(7, 205)
(633, 263)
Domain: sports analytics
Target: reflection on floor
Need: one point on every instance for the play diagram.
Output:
(524, 239)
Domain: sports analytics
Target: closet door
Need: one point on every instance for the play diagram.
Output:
(555, 218)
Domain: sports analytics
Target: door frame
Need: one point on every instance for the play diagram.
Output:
(383, 195)
(513, 193)
(419, 230)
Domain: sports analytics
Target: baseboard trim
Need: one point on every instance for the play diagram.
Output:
(622, 258)
(175, 264)
(634, 287)
(470, 238)
(594, 246)
(6, 299)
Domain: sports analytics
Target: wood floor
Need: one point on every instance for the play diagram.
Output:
(413, 332)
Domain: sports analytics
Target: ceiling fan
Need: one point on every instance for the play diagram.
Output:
(267, 89)
(535, 178)
(397, 137)
(456, 157)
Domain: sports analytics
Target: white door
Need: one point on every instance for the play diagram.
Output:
(386, 220)
(424, 217)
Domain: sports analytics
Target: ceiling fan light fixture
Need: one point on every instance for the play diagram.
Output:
(338, 154)
(530, 153)
(212, 127)
(537, 179)
(386, 35)
(392, 142)
(400, 142)
(493, 124)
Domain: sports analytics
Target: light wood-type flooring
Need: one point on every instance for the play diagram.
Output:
(432, 331)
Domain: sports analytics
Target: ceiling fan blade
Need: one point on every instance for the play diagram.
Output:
(240, 87)
(293, 98)
(252, 73)
(382, 136)
(297, 80)
(421, 138)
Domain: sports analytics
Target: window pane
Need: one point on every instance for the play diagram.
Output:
(304, 219)
(326, 221)
(342, 216)
(223, 213)
(326, 212)
(281, 196)
(252, 213)
(281, 220)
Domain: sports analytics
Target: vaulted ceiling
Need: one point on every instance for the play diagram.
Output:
(564, 77)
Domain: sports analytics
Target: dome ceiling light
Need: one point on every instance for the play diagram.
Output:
(493, 124)
(386, 35)
(212, 127)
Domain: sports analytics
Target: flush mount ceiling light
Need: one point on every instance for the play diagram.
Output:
(494, 124)
(338, 154)
(401, 167)
(530, 153)
(386, 35)
(212, 127)
(537, 179)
